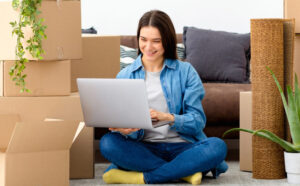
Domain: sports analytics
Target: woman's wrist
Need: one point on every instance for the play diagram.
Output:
(170, 117)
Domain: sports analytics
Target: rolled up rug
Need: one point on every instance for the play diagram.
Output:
(267, 49)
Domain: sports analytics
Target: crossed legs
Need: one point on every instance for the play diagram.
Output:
(163, 162)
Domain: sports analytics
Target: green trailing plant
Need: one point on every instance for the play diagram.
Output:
(28, 17)
(292, 110)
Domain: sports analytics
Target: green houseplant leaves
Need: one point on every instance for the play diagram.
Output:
(28, 17)
(292, 110)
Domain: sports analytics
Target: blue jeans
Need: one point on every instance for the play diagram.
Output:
(163, 162)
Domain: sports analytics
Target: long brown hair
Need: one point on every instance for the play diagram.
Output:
(163, 23)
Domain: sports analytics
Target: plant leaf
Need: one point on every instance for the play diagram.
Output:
(268, 135)
(292, 108)
(28, 11)
(289, 147)
(293, 117)
(280, 90)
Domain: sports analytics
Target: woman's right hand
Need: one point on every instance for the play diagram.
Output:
(124, 131)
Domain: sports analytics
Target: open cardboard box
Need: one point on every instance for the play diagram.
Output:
(35, 153)
(67, 108)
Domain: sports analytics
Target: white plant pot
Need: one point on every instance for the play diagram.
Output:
(292, 167)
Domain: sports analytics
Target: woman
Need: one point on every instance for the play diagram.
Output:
(176, 151)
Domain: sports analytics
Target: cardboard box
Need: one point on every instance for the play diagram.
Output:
(82, 155)
(65, 107)
(63, 21)
(246, 138)
(297, 56)
(35, 153)
(44, 78)
(38, 108)
(100, 59)
(292, 10)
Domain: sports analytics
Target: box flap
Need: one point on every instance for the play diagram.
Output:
(79, 129)
(42, 136)
(7, 126)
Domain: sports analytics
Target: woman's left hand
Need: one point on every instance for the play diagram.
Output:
(161, 116)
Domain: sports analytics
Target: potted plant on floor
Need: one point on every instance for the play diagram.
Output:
(292, 150)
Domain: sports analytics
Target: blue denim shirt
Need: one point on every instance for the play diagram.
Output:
(183, 91)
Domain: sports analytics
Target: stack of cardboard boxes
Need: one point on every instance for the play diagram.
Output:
(37, 129)
(291, 10)
(52, 75)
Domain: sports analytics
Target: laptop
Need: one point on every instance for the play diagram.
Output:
(115, 103)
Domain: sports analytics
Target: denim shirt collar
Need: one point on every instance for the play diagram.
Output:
(169, 63)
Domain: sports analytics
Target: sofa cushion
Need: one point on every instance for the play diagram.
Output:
(180, 51)
(127, 56)
(218, 56)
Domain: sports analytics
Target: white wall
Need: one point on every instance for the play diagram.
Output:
(120, 17)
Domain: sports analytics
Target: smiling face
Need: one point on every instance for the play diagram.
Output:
(151, 45)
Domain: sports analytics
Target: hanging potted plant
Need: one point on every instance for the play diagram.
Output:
(28, 18)
(292, 150)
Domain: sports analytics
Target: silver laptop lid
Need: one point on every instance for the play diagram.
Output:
(117, 103)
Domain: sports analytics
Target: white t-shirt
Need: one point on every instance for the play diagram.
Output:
(157, 101)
